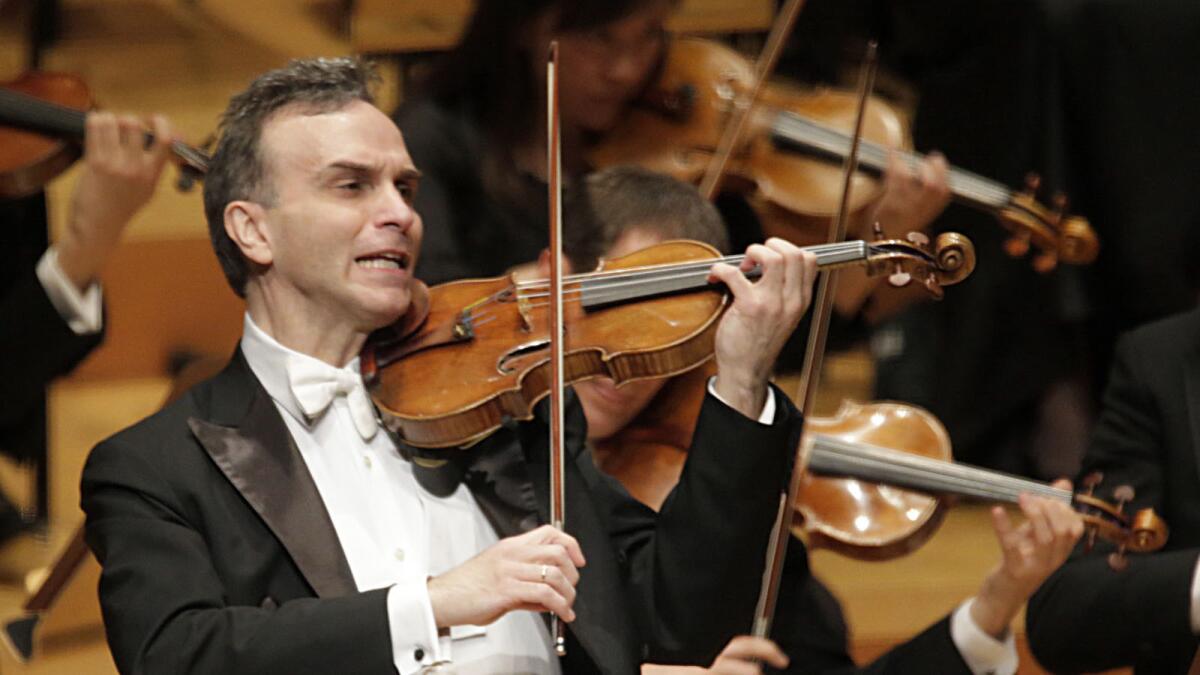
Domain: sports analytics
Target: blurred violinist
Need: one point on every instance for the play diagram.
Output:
(476, 128)
(51, 307)
(634, 432)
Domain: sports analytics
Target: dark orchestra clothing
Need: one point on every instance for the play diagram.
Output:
(36, 343)
(218, 554)
(469, 232)
(1087, 617)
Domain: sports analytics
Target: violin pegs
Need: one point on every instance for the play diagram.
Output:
(934, 288)
(899, 278)
(1091, 481)
(1032, 182)
(1090, 534)
(1045, 261)
(1123, 494)
(877, 231)
(1118, 561)
(1018, 244)
(918, 239)
(1060, 202)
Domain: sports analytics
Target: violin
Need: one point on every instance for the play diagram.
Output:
(795, 143)
(480, 356)
(859, 467)
(42, 125)
(876, 477)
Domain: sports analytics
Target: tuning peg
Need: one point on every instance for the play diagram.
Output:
(1091, 481)
(1118, 561)
(1045, 261)
(1123, 494)
(918, 239)
(899, 277)
(1032, 182)
(877, 231)
(1018, 244)
(934, 288)
(185, 182)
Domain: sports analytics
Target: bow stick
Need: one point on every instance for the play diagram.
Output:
(557, 438)
(811, 371)
(736, 128)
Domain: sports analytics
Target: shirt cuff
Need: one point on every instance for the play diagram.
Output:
(413, 629)
(83, 312)
(767, 416)
(1196, 599)
(984, 654)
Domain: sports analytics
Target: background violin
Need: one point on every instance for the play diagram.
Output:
(42, 118)
(481, 355)
(796, 142)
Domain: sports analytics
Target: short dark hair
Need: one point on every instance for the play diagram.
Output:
(618, 199)
(236, 170)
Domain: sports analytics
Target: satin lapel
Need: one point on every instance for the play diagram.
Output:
(259, 458)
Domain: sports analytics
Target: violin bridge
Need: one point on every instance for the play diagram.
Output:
(525, 309)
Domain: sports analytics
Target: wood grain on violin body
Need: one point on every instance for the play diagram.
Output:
(797, 140)
(481, 354)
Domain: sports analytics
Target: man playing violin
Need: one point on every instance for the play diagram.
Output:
(624, 209)
(266, 523)
(50, 298)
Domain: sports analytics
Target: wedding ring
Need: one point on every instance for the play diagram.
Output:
(545, 569)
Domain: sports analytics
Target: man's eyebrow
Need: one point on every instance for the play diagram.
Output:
(408, 173)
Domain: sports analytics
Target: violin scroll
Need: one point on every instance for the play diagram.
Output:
(1141, 532)
(950, 260)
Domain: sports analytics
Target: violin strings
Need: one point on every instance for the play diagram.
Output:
(963, 182)
(960, 474)
(936, 474)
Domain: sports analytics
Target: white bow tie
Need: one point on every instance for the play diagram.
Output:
(315, 384)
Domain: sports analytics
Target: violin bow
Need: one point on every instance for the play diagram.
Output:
(557, 436)
(810, 374)
(743, 106)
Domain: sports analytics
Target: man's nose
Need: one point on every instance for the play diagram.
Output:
(396, 210)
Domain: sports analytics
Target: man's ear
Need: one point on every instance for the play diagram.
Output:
(245, 223)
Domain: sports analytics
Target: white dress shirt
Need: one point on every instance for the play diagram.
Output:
(395, 534)
(83, 312)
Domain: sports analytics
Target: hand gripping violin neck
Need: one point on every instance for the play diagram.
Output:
(481, 354)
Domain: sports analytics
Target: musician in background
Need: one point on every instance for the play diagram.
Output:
(476, 126)
(624, 209)
(51, 310)
(1088, 617)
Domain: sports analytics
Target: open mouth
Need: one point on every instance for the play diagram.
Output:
(385, 261)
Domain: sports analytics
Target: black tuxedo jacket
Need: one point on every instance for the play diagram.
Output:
(219, 557)
(1087, 617)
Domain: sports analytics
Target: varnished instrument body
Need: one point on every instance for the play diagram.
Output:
(868, 520)
(501, 370)
(29, 160)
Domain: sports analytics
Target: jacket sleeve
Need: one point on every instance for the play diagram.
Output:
(36, 346)
(166, 609)
(1086, 617)
(695, 569)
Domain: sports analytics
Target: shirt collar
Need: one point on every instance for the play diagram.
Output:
(268, 361)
